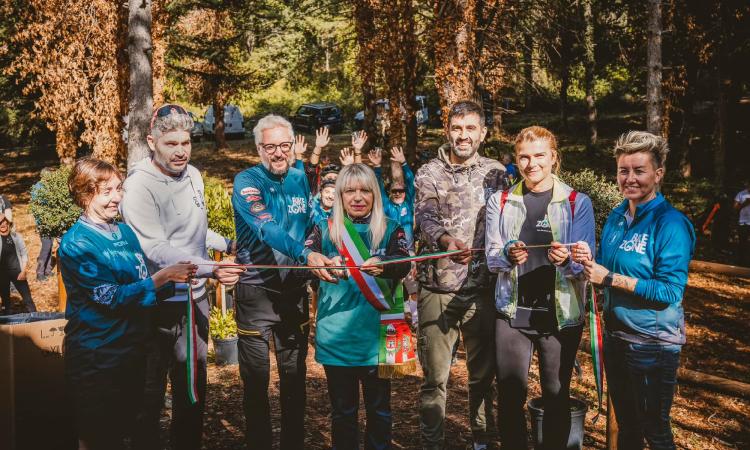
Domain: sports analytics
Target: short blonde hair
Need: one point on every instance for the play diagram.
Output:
(537, 133)
(643, 141)
(87, 175)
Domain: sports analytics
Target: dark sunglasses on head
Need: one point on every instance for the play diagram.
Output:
(398, 191)
(165, 110)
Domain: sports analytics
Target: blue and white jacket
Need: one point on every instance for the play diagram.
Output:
(656, 249)
(272, 217)
(402, 213)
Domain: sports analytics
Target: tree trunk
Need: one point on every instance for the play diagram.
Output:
(654, 96)
(158, 55)
(363, 23)
(590, 65)
(140, 103)
(454, 43)
(528, 70)
(565, 57)
(220, 140)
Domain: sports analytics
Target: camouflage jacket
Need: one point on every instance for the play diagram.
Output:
(451, 199)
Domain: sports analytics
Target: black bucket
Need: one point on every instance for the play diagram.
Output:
(225, 351)
(578, 410)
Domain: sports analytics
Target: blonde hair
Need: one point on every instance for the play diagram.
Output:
(352, 175)
(643, 141)
(537, 133)
(87, 175)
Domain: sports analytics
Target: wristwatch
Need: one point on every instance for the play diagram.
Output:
(608, 279)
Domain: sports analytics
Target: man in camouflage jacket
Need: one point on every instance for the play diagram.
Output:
(457, 292)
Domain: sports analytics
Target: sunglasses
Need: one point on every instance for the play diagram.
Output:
(398, 191)
(165, 110)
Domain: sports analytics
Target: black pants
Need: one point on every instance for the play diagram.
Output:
(105, 401)
(21, 285)
(44, 260)
(641, 379)
(343, 389)
(743, 247)
(289, 331)
(557, 354)
(167, 355)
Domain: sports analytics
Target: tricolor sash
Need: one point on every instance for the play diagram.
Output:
(191, 358)
(396, 356)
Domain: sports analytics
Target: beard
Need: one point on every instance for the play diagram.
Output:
(464, 153)
(266, 161)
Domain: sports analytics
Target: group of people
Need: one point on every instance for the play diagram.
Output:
(512, 277)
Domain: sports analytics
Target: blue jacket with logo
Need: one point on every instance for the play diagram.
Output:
(272, 219)
(402, 213)
(656, 249)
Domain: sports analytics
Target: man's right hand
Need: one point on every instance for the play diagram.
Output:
(450, 243)
(228, 275)
(321, 138)
(317, 259)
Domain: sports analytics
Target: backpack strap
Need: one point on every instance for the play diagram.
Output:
(572, 200)
(503, 199)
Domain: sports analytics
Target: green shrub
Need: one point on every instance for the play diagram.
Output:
(604, 194)
(222, 326)
(219, 207)
(51, 203)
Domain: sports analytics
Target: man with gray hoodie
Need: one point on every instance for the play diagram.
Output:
(164, 204)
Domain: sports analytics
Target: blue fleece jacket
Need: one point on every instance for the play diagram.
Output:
(272, 219)
(402, 213)
(656, 249)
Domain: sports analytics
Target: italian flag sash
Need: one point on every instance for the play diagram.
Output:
(396, 357)
(191, 359)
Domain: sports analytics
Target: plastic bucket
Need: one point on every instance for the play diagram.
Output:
(225, 351)
(578, 410)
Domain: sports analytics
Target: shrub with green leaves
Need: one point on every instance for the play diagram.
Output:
(219, 207)
(222, 326)
(604, 194)
(51, 203)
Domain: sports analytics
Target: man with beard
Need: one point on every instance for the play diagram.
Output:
(272, 215)
(457, 295)
(164, 204)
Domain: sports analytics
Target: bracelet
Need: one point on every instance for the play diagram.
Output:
(609, 279)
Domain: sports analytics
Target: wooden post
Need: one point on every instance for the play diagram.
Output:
(220, 288)
(611, 425)
(62, 296)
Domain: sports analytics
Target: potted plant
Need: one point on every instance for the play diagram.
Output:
(223, 330)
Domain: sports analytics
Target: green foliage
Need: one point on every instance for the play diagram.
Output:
(222, 326)
(218, 207)
(51, 203)
(604, 194)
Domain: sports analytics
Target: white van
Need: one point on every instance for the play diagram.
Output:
(233, 119)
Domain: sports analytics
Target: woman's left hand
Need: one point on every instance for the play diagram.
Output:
(21, 276)
(558, 254)
(369, 268)
(595, 273)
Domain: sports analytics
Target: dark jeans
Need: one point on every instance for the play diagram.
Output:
(167, 355)
(743, 247)
(343, 389)
(22, 286)
(44, 260)
(557, 353)
(105, 401)
(641, 379)
(289, 335)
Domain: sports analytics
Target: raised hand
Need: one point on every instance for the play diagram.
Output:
(397, 155)
(300, 147)
(359, 138)
(321, 138)
(376, 156)
(347, 156)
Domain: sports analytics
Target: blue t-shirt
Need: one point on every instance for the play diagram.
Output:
(109, 290)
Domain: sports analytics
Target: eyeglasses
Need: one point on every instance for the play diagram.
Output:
(271, 148)
(165, 110)
(398, 191)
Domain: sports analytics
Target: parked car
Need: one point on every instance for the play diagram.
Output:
(233, 122)
(196, 134)
(421, 113)
(311, 116)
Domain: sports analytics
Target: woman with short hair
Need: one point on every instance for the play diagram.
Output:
(540, 291)
(109, 292)
(361, 336)
(642, 263)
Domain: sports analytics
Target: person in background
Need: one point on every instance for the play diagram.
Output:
(323, 202)
(642, 263)
(398, 200)
(510, 167)
(742, 206)
(314, 166)
(165, 206)
(44, 260)
(110, 293)
(348, 336)
(540, 293)
(13, 260)
(456, 293)
(6, 208)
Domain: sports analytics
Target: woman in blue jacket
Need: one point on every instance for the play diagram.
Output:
(645, 249)
(109, 291)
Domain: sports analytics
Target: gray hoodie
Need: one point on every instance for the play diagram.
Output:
(168, 214)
